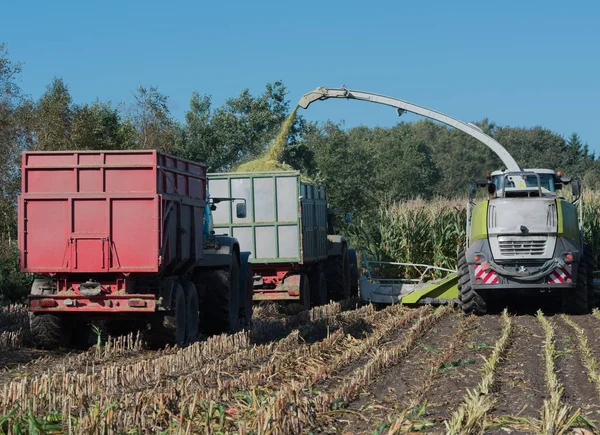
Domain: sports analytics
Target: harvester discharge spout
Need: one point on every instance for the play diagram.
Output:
(323, 93)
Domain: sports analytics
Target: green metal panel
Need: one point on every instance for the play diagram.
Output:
(286, 220)
(479, 222)
(568, 222)
(447, 288)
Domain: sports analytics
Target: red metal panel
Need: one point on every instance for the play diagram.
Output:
(90, 180)
(110, 211)
(134, 234)
(45, 235)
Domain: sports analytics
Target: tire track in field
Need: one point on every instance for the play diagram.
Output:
(579, 391)
(521, 384)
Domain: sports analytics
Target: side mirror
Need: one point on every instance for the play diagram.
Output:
(576, 187)
(240, 210)
(348, 218)
(491, 188)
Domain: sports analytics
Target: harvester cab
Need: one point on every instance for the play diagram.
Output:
(525, 237)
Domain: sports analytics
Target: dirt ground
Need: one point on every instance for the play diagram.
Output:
(342, 369)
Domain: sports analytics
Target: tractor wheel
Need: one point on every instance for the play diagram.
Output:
(318, 287)
(49, 331)
(192, 305)
(471, 302)
(575, 301)
(171, 328)
(221, 305)
(337, 273)
(247, 296)
(589, 268)
(305, 292)
(353, 272)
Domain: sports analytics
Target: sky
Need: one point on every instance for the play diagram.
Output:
(518, 63)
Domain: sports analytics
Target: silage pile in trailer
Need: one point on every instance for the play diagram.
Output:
(271, 161)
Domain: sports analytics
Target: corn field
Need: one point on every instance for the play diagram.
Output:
(431, 232)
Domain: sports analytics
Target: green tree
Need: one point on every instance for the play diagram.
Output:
(96, 126)
(150, 118)
(53, 118)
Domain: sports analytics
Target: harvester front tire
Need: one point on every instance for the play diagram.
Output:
(471, 302)
(220, 307)
(589, 268)
(337, 273)
(575, 301)
(49, 331)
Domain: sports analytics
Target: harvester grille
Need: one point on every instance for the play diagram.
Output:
(514, 247)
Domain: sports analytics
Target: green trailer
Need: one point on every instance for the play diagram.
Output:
(288, 231)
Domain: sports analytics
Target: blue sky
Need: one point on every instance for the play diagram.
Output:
(519, 63)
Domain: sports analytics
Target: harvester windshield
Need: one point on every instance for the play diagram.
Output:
(546, 181)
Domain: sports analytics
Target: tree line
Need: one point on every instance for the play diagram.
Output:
(360, 166)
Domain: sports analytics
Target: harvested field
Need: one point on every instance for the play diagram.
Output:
(341, 368)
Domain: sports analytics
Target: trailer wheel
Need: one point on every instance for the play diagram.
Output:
(221, 305)
(318, 287)
(49, 331)
(575, 301)
(192, 305)
(471, 302)
(337, 271)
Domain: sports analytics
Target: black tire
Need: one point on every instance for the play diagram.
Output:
(318, 287)
(193, 311)
(304, 292)
(353, 272)
(471, 302)
(248, 298)
(220, 307)
(49, 331)
(575, 301)
(337, 272)
(589, 268)
(170, 328)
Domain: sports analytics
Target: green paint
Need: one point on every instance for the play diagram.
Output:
(568, 223)
(478, 228)
(447, 288)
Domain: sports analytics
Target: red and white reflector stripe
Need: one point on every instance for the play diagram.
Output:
(487, 276)
(560, 275)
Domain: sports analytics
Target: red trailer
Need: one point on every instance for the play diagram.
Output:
(119, 236)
